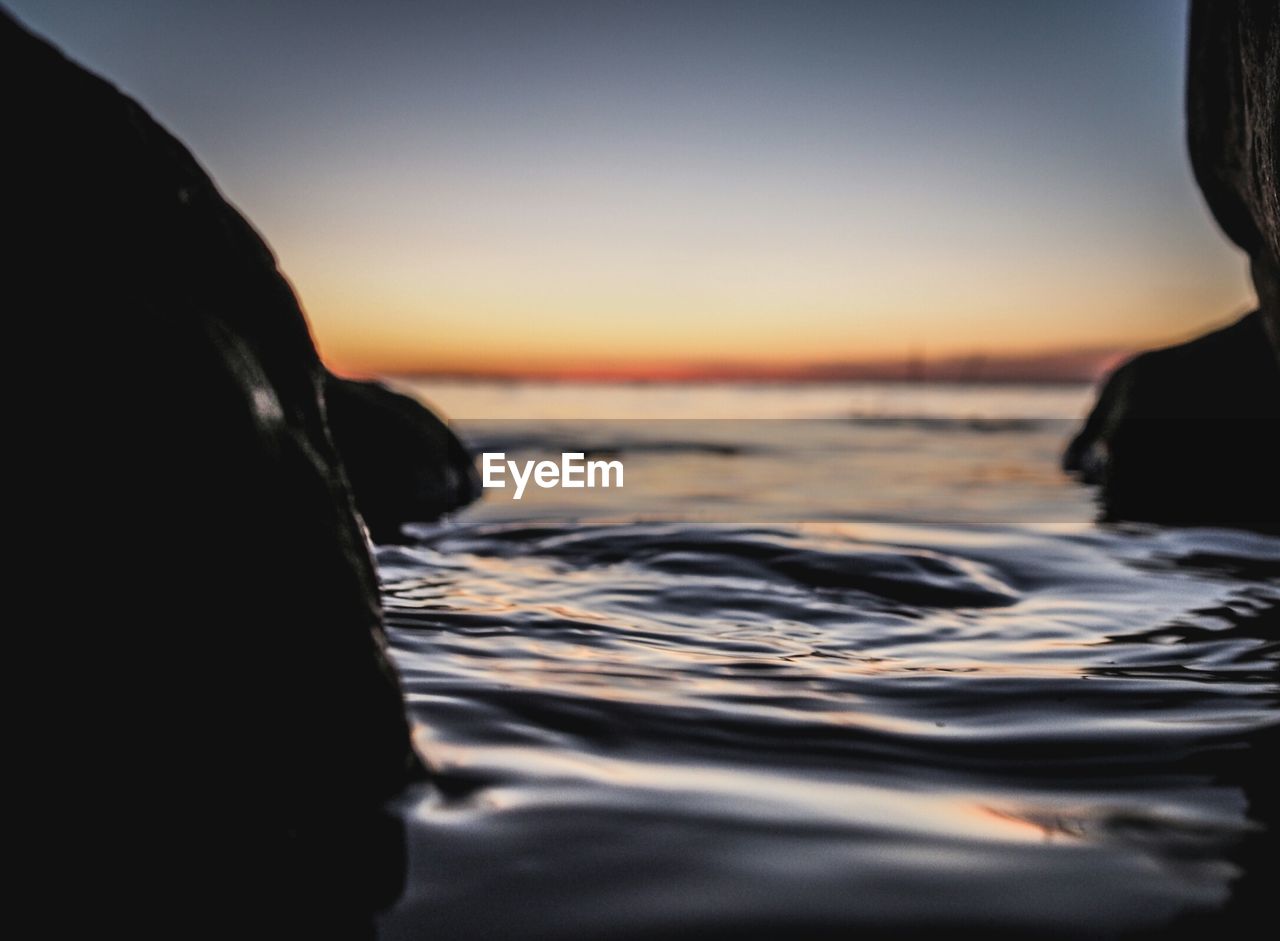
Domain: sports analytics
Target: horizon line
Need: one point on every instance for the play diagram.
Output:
(1048, 368)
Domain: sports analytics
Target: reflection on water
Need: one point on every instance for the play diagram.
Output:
(652, 723)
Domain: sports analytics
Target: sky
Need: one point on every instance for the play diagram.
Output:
(695, 189)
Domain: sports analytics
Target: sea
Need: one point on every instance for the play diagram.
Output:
(845, 660)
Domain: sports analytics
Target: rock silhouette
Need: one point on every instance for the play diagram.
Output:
(1191, 434)
(1188, 434)
(182, 498)
(403, 462)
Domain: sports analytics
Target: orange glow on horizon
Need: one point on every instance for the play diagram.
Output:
(525, 324)
(1060, 365)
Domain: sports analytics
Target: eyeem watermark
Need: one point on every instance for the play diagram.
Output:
(574, 471)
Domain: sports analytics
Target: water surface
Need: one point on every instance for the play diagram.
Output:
(836, 660)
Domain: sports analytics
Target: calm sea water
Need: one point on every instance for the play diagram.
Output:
(836, 661)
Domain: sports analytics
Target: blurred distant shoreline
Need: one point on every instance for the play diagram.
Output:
(728, 380)
(1055, 367)
(581, 399)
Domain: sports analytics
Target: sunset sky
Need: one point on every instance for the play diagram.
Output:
(693, 188)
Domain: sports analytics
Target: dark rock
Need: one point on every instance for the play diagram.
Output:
(1191, 434)
(1233, 127)
(405, 464)
(183, 514)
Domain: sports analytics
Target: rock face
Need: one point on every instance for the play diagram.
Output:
(1233, 130)
(1191, 434)
(403, 462)
(196, 538)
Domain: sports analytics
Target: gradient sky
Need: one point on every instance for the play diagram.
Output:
(549, 186)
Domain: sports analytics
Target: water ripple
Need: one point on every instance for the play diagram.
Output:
(830, 724)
